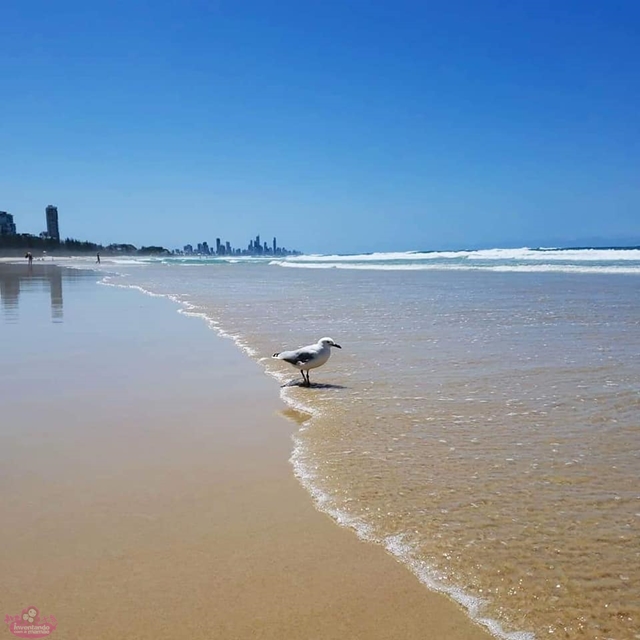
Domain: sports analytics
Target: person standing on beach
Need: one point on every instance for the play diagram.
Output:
(29, 257)
(98, 258)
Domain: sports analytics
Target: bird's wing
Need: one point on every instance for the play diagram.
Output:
(300, 355)
(306, 356)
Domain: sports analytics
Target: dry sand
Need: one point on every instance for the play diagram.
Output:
(146, 493)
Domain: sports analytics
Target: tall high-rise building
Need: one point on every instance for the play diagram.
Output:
(52, 222)
(7, 226)
(275, 246)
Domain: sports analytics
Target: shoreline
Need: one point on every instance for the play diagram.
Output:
(190, 520)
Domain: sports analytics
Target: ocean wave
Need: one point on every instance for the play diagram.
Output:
(364, 257)
(517, 254)
(207, 260)
(513, 268)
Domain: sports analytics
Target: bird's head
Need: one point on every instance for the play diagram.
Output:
(330, 342)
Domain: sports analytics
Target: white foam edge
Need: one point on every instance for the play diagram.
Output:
(396, 546)
(521, 253)
(524, 268)
(187, 309)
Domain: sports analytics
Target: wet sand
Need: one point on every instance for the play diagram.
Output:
(146, 492)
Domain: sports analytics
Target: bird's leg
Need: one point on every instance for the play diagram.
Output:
(308, 380)
(304, 380)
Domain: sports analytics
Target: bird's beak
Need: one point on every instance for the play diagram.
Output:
(337, 345)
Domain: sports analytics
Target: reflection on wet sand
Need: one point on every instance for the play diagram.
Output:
(17, 278)
(55, 291)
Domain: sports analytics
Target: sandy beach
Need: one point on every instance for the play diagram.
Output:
(146, 492)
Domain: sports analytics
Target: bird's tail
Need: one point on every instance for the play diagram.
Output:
(275, 355)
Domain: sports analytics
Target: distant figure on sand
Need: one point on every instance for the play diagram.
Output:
(98, 258)
(310, 357)
(29, 257)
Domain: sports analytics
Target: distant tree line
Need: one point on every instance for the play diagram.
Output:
(27, 242)
(149, 251)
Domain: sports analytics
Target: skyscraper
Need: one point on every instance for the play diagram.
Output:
(52, 223)
(7, 226)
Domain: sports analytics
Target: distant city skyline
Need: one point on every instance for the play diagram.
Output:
(340, 127)
(8, 226)
(255, 246)
(224, 248)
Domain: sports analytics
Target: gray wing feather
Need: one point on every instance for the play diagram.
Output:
(298, 356)
(293, 357)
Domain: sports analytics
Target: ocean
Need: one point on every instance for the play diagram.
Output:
(482, 421)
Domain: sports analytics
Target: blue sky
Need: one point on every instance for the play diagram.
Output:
(337, 126)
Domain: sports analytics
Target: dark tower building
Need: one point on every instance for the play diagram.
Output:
(52, 223)
(275, 246)
(7, 225)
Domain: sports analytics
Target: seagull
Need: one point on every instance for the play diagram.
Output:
(309, 357)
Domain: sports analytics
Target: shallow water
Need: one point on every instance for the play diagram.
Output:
(483, 424)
